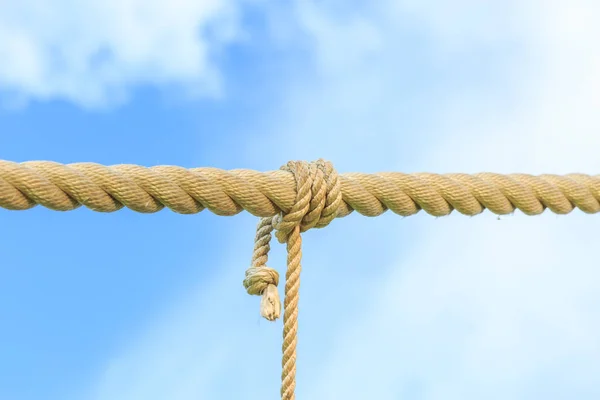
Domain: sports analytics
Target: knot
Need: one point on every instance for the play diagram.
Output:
(259, 278)
(263, 280)
(318, 197)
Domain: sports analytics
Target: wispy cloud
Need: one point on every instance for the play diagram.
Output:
(94, 52)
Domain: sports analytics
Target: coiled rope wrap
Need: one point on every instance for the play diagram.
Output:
(292, 200)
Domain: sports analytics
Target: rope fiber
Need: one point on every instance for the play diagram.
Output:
(298, 197)
(264, 194)
(318, 196)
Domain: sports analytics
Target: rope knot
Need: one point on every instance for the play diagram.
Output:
(318, 197)
(262, 280)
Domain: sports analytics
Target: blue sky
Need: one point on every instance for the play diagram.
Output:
(126, 306)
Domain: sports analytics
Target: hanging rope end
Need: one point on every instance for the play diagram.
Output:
(270, 305)
(263, 281)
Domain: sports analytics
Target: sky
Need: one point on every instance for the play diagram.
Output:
(128, 306)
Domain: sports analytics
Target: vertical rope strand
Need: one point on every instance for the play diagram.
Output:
(260, 279)
(290, 316)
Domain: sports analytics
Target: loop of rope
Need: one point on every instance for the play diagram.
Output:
(318, 197)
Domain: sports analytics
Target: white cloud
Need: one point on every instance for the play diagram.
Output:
(94, 52)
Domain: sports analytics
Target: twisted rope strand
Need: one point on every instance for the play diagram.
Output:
(187, 191)
(306, 213)
(290, 315)
(260, 279)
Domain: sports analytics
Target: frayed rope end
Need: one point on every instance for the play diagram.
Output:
(270, 305)
(263, 281)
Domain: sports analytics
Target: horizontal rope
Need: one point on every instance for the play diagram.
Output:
(298, 197)
(101, 188)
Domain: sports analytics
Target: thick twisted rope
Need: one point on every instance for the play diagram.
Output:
(292, 200)
(107, 189)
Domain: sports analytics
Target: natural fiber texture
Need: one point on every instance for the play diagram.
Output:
(318, 196)
(260, 279)
(101, 188)
(298, 197)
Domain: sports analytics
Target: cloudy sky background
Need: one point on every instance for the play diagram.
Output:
(126, 306)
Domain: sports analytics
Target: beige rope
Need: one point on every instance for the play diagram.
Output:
(106, 189)
(318, 197)
(292, 200)
(260, 279)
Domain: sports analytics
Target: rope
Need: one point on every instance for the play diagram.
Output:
(187, 191)
(298, 197)
(318, 196)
